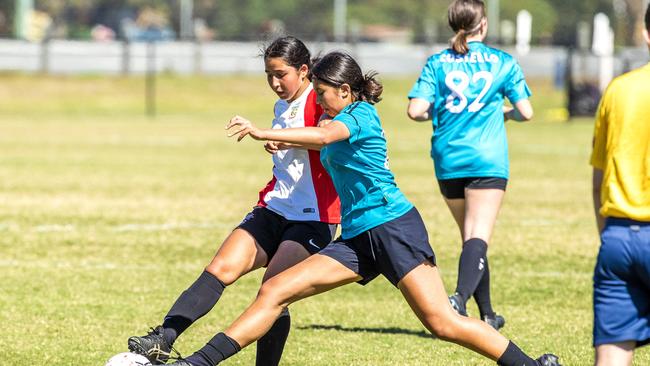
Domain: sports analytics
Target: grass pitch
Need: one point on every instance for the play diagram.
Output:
(106, 216)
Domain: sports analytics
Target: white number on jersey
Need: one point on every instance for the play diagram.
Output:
(458, 81)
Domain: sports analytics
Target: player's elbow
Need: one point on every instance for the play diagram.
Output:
(524, 110)
(418, 110)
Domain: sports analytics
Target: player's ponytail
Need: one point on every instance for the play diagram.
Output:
(464, 17)
(372, 88)
(291, 50)
(338, 68)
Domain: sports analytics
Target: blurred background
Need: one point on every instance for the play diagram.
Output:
(577, 45)
(117, 180)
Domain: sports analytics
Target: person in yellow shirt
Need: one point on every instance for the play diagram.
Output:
(621, 193)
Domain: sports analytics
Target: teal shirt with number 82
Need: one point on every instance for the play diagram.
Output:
(466, 93)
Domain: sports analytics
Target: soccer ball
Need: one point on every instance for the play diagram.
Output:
(128, 359)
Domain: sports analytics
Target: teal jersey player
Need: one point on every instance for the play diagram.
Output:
(359, 169)
(466, 93)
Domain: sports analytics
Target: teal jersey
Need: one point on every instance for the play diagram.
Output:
(359, 170)
(466, 93)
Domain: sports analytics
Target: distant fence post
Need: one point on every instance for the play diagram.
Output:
(126, 57)
(150, 83)
(198, 56)
(45, 56)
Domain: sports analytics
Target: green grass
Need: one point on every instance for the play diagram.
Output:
(106, 216)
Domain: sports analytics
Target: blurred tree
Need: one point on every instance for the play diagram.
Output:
(544, 17)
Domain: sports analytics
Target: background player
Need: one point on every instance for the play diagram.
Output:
(295, 217)
(382, 233)
(621, 193)
(461, 90)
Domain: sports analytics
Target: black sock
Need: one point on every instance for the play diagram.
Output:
(470, 267)
(482, 293)
(513, 356)
(216, 350)
(271, 345)
(193, 303)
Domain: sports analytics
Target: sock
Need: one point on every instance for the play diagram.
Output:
(271, 345)
(216, 350)
(513, 356)
(482, 293)
(193, 303)
(470, 267)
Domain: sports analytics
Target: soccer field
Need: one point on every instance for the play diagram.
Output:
(106, 216)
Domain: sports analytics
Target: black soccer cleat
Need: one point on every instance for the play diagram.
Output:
(458, 304)
(548, 360)
(496, 321)
(152, 346)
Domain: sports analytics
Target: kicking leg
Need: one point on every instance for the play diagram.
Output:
(271, 345)
(423, 290)
(316, 274)
(238, 255)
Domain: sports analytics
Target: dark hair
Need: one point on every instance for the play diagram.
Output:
(290, 49)
(647, 18)
(338, 68)
(464, 17)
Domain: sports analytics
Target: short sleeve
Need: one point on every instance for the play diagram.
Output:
(599, 152)
(516, 88)
(351, 122)
(425, 86)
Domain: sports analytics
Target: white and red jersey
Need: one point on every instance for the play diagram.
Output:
(301, 189)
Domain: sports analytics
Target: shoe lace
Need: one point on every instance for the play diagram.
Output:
(158, 351)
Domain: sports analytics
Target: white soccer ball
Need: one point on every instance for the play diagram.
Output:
(128, 359)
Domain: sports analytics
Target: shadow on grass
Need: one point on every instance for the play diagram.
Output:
(392, 330)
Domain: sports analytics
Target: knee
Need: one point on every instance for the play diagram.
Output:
(272, 294)
(225, 272)
(443, 327)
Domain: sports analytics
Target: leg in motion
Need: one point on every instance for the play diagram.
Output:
(238, 255)
(316, 274)
(271, 345)
(423, 290)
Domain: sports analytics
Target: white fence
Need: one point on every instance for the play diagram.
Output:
(75, 57)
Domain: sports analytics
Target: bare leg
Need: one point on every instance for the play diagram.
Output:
(481, 210)
(312, 276)
(423, 290)
(615, 354)
(238, 255)
(271, 345)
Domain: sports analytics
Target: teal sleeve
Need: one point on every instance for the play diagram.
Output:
(516, 88)
(351, 123)
(425, 86)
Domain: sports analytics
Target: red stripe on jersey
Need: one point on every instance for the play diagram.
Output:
(269, 187)
(329, 205)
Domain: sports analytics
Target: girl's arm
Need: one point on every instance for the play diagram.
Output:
(273, 147)
(418, 110)
(522, 111)
(310, 137)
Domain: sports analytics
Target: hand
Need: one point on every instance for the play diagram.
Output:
(272, 147)
(242, 127)
(506, 112)
(324, 121)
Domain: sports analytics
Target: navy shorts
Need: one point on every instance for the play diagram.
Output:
(392, 249)
(622, 283)
(455, 188)
(270, 229)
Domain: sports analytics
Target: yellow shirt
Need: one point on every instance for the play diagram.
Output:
(622, 146)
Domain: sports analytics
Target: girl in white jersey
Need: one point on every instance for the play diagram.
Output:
(295, 217)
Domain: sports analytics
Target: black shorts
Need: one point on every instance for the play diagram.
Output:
(455, 188)
(393, 249)
(270, 229)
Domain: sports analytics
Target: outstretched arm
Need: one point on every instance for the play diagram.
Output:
(418, 110)
(310, 137)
